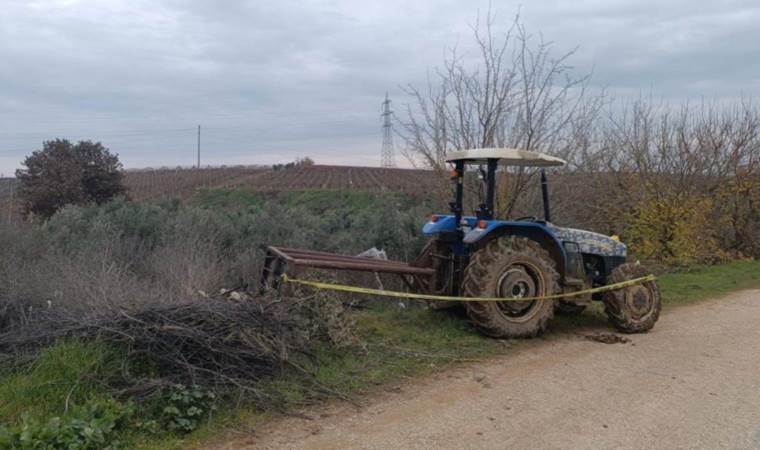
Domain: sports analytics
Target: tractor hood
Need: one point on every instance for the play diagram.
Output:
(590, 242)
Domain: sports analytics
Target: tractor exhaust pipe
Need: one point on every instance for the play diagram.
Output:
(545, 195)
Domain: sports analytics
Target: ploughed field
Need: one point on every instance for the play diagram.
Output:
(182, 183)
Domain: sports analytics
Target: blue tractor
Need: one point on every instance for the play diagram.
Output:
(482, 256)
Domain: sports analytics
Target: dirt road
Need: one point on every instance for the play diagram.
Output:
(693, 382)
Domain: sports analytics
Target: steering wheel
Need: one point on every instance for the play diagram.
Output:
(527, 218)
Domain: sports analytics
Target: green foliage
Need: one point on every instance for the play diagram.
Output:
(63, 173)
(186, 407)
(62, 400)
(675, 229)
(70, 373)
(92, 426)
(228, 199)
(345, 222)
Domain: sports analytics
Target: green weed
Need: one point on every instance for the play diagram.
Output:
(62, 377)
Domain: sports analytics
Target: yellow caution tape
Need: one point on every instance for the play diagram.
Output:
(446, 298)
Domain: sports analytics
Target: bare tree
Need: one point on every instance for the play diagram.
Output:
(514, 92)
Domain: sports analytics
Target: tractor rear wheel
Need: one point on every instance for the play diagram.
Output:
(509, 267)
(633, 309)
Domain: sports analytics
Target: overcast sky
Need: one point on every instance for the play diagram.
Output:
(270, 81)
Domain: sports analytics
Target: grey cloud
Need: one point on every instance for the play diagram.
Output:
(270, 81)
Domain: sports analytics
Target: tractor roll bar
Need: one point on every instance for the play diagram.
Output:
(545, 195)
(490, 190)
(456, 205)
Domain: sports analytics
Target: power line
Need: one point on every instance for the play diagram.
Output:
(386, 153)
(126, 133)
(169, 132)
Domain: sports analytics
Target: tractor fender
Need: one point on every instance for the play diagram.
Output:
(479, 237)
(445, 223)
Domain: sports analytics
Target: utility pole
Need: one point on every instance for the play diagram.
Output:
(386, 154)
(199, 147)
(10, 204)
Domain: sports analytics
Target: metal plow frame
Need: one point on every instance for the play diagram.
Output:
(280, 260)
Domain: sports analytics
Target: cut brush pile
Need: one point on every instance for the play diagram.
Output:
(218, 344)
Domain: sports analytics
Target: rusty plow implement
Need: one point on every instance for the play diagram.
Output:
(282, 260)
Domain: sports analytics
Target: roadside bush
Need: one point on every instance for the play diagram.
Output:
(738, 210)
(675, 229)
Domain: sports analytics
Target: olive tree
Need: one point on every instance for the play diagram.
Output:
(63, 173)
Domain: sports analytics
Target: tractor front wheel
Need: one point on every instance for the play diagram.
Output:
(633, 309)
(511, 267)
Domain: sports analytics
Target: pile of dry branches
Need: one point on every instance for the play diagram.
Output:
(219, 344)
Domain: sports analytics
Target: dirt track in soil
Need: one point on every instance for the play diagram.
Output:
(692, 382)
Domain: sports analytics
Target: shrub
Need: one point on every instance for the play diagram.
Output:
(63, 173)
(93, 426)
(187, 406)
(675, 229)
(122, 255)
(738, 202)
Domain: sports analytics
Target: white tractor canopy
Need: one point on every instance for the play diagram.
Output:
(506, 156)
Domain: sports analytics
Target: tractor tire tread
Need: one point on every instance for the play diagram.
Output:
(485, 263)
(615, 306)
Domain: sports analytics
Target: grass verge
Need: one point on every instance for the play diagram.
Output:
(394, 343)
(701, 282)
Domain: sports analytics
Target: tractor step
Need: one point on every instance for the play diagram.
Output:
(574, 282)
